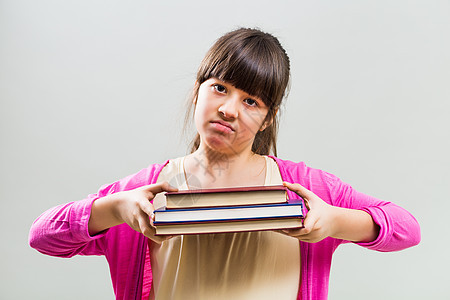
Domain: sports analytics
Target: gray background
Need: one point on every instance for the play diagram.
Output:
(92, 91)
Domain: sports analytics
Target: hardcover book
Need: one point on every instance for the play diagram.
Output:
(226, 226)
(226, 197)
(229, 218)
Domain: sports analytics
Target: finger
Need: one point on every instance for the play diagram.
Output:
(309, 223)
(300, 190)
(308, 207)
(297, 233)
(151, 234)
(152, 219)
(146, 206)
(149, 231)
(308, 227)
(144, 225)
(161, 187)
(160, 238)
(152, 189)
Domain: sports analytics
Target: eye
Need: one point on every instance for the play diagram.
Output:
(251, 102)
(219, 88)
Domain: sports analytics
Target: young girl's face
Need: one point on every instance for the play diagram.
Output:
(228, 118)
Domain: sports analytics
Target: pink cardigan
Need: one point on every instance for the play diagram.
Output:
(63, 231)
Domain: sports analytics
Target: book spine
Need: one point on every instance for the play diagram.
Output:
(289, 203)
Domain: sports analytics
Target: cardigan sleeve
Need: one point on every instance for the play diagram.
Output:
(62, 231)
(398, 228)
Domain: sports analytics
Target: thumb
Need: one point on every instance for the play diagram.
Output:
(159, 187)
(299, 190)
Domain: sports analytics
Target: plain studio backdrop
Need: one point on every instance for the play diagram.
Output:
(92, 91)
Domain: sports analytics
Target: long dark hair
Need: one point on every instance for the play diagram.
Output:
(255, 62)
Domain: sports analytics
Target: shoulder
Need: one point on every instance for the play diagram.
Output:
(300, 172)
(322, 183)
(149, 174)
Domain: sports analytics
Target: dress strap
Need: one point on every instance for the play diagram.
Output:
(273, 175)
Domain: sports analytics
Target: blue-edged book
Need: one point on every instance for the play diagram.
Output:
(229, 218)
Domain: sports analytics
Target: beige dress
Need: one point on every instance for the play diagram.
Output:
(247, 265)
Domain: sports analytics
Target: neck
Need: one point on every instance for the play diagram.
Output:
(211, 159)
(218, 166)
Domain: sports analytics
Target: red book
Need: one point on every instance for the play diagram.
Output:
(226, 196)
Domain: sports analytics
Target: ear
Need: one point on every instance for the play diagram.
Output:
(265, 125)
(268, 122)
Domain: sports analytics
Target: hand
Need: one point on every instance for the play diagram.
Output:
(137, 211)
(318, 223)
(132, 207)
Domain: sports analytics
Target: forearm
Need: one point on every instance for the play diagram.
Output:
(354, 225)
(104, 214)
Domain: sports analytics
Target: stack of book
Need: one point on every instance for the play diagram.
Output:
(228, 210)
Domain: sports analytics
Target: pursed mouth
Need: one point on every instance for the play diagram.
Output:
(225, 124)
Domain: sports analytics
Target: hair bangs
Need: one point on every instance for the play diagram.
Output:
(249, 72)
(249, 64)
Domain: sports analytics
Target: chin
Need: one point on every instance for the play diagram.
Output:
(219, 144)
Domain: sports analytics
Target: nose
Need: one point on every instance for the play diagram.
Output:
(230, 108)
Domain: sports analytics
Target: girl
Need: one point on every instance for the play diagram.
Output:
(239, 88)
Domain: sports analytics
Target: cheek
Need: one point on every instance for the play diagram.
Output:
(197, 113)
(200, 115)
(254, 120)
